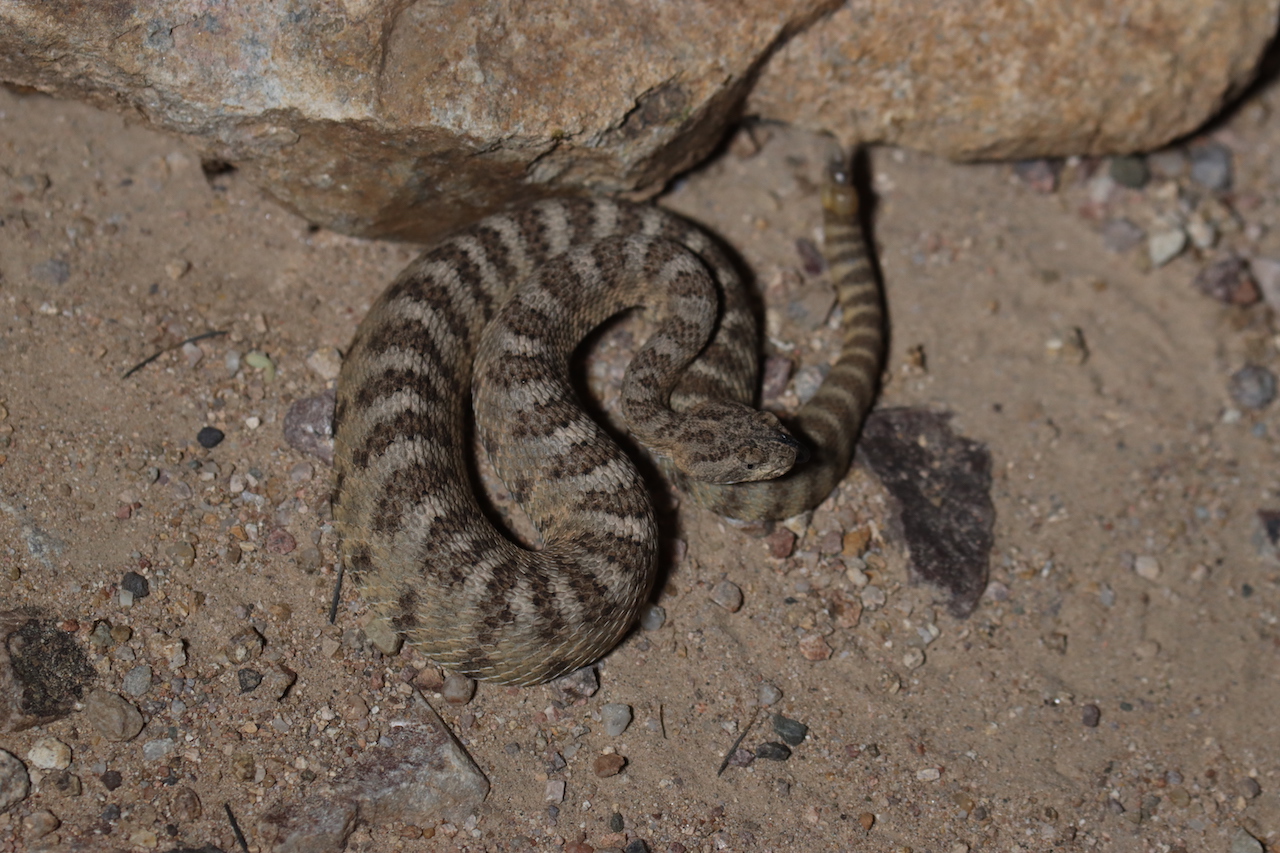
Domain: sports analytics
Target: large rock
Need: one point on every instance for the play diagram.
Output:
(1008, 79)
(400, 118)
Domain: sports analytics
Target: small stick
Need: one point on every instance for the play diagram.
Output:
(178, 345)
(235, 829)
(737, 743)
(662, 720)
(337, 592)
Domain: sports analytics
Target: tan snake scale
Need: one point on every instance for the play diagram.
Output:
(496, 311)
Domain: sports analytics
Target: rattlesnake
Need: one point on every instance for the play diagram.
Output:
(513, 295)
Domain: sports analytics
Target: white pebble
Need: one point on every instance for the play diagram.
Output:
(652, 617)
(49, 753)
(873, 598)
(769, 695)
(1147, 567)
(913, 659)
(253, 422)
(555, 791)
(1164, 246)
(928, 774)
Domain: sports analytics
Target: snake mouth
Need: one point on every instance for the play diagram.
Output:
(803, 454)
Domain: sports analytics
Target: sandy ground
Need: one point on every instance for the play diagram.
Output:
(1129, 573)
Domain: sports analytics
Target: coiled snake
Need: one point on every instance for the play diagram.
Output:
(496, 311)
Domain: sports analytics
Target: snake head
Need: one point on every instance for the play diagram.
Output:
(725, 442)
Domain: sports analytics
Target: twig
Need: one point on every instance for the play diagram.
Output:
(178, 345)
(235, 829)
(662, 720)
(337, 593)
(737, 743)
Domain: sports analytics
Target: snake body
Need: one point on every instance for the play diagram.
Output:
(496, 311)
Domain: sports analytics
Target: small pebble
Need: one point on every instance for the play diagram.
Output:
(791, 731)
(814, 647)
(1211, 166)
(608, 765)
(616, 717)
(15, 784)
(554, 792)
(325, 362)
(1121, 235)
(154, 750)
(780, 543)
(868, 820)
(183, 554)
(652, 617)
(136, 584)
(1243, 842)
(913, 658)
(1253, 387)
(210, 437)
(249, 679)
(635, 845)
(1147, 567)
(1164, 246)
(1170, 163)
(39, 824)
(1090, 716)
(1228, 281)
(1131, 172)
(929, 774)
(741, 758)
(1040, 175)
(384, 636)
(769, 695)
(1249, 788)
(872, 597)
(580, 684)
(728, 595)
(281, 541)
(458, 689)
(113, 716)
(49, 753)
(65, 783)
(137, 681)
(773, 751)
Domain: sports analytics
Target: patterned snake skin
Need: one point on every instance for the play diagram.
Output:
(497, 311)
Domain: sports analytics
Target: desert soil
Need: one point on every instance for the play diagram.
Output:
(1118, 687)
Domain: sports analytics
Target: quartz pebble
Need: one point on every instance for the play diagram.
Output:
(1164, 246)
(652, 617)
(616, 717)
(1147, 567)
(154, 750)
(728, 595)
(769, 695)
(49, 753)
(113, 716)
(1121, 235)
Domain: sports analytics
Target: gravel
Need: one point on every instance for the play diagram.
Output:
(728, 595)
